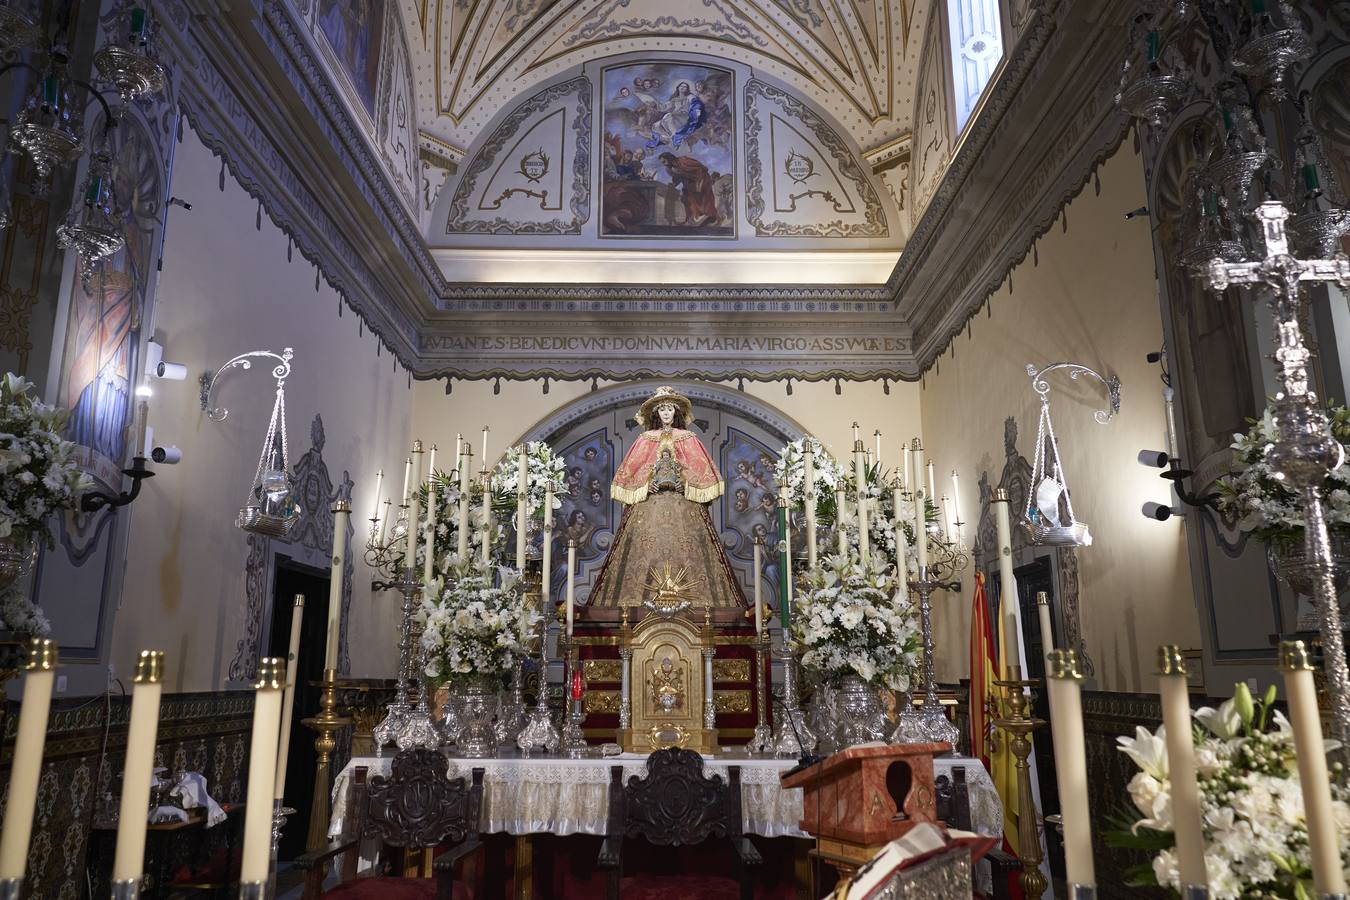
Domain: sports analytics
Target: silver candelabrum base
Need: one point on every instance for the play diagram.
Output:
(387, 731)
(794, 736)
(539, 735)
(417, 729)
(923, 725)
(573, 740)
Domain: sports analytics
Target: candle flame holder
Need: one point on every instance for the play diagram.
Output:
(326, 725)
(1018, 726)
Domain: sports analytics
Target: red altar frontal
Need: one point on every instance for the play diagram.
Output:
(668, 655)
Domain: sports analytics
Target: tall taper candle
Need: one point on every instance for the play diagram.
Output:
(459, 451)
(522, 491)
(809, 501)
(840, 498)
(433, 513)
(759, 584)
(39, 678)
(1043, 613)
(384, 520)
(1011, 630)
(1323, 842)
(487, 514)
(785, 529)
(905, 479)
(932, 481)
(920, 506)
(545, 585)
(1176, 715)
(956, 508)
(1066, 727)
(485, 459)
(147, 687)
(466, 462)
(342, 511)
(288, 697)
(860, 485)
(948, 527)
(262, 769)
(857, 435)
(878, 437)
(414, 508)
(379, 485)
(407, 479)
(571, 585)
(901, 564)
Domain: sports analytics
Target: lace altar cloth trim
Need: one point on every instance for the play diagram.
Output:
(569, 796)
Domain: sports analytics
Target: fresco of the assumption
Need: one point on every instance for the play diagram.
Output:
(668, 167)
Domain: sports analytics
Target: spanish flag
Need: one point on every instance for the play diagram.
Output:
(983, 671)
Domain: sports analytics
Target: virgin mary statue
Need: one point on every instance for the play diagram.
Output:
(666, 482)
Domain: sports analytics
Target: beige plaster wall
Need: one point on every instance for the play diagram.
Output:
(521, 405)
(227, 288)
(1090, 299)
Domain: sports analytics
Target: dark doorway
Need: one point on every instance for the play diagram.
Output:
(1032, 579)
(295, 578)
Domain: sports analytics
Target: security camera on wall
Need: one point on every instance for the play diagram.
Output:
(156, 365)
(169, 456)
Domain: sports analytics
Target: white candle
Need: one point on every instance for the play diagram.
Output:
(288, 697)
(459, 451)
(26, 769)
(1010, 634)
(485, 459)
(759, 587)
(465, 462)
(487, 514)
(1328, 878)
(1066, 727)
(129, 858)
(840, 496)
(860, 477)
(947, 520)
(341, 513)
(1176, 714)
(956, 507)
(932, 481)
(522, 479)
(384, 520)
(414, 508)
(407, 478)
(787, 546)
(856, 436)
(810, 503)
(431, 463)
(901, 565)
(571, 584)
(545, 584)
(878, 437)
(379, 485)
(433, 513)
(904, 479)
(1043, 613)
(920, 510)
(262, 769)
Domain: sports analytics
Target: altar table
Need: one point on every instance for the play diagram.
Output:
(543, 795)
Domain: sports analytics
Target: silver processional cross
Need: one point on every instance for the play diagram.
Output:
(1306, 450)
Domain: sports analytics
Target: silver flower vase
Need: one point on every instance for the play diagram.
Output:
(477, 702)
(859, 710)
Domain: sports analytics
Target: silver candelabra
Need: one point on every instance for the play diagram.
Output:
(928, 722)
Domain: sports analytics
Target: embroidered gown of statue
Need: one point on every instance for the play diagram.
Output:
(666, 482)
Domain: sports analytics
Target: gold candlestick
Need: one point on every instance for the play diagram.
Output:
(1018, 725)
(326, 724)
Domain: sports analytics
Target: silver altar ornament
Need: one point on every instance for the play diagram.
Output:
(91, 229)
(127, 64)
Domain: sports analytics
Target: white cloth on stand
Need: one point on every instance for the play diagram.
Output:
(190, 792)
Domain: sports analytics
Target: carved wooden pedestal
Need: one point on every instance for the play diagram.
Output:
(858, 800)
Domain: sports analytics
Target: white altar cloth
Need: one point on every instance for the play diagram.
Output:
(571, 796)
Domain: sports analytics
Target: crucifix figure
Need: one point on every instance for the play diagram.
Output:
(1306, 451)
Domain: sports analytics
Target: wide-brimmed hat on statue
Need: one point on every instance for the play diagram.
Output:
(646, 415)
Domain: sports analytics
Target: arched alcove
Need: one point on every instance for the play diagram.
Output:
(593, 433)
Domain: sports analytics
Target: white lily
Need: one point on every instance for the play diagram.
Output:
(1148, 750)
(1224, 723)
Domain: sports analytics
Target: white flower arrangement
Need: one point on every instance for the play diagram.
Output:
(545, 468)
(1256, 837)
(790, 470)
(1269, 507)
(38, 475)
(19, 616)
(475, 629)
(855, 620)
(445, 547)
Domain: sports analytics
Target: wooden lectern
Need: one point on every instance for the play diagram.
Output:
(858, 800)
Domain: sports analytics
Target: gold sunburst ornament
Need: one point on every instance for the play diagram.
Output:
(667, 590)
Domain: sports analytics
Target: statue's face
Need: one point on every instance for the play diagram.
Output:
(667, 413)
